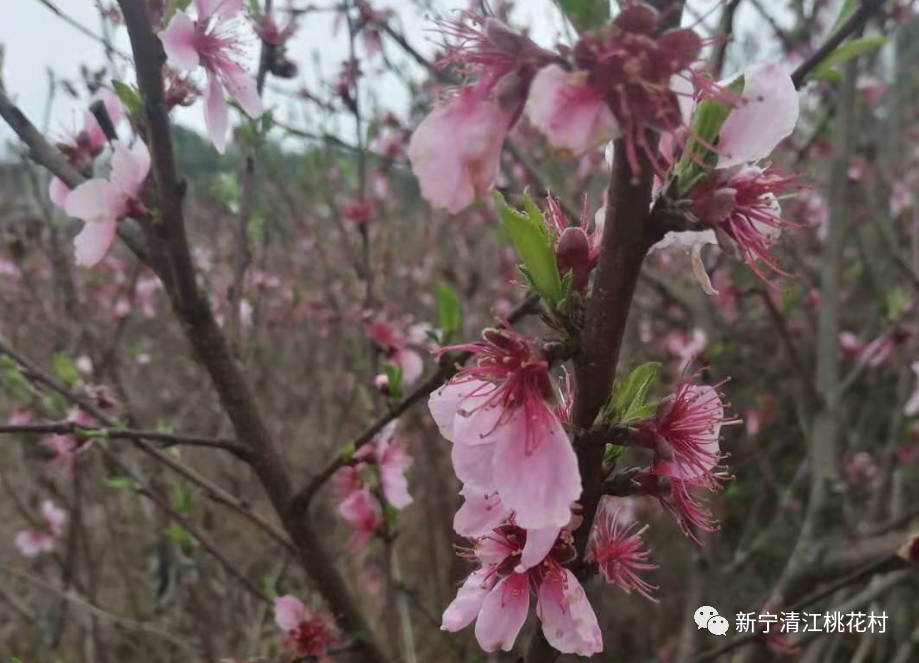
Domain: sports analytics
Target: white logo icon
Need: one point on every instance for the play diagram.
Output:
(718, 625)
(708, 617)
(703, 614)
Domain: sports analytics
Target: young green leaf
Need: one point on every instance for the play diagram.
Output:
(64, 369)
(121, 483)
(586, 14)
(627, 401)
(530, 237)
(706, 125)
(394, 373)
(827, 69)
(449, 312)
(129, 97)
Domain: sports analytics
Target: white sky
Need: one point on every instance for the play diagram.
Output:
(36, 41)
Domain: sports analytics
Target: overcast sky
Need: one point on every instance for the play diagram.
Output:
(36, 42)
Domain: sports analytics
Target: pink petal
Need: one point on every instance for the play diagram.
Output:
(539, 543)
(215, 114)
(503, 613)
(31, 543)
(53, 517)
(95, 199)
(708, 440)
(393, 463)
(289, 612)
(179, 42)
(539, 485)
(130, 166)
(474, 465)
(241, 86)
(445, 402)
(456, 148)
(412, 365)
(572, 116)
(58, 193)
(753, 130)
(94, 241)
(481, 513)
(476, 425)
(568, 620)
(221, 8)
(468, 602)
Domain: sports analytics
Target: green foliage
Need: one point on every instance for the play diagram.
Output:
(529, 235)
(270, 586)
(827, 70)
(178, 534)
(586, 14)
(183, 499)
(129, 97)
(13, 378)
(347, 454)
(65, 370)
(706, 124)
(627, 402)
(449, 312)
(394, 373)
(897, 302)
(121, 483)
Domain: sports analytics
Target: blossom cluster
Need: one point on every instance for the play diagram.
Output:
(521, 486)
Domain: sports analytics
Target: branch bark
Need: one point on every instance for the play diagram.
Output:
(169, 249)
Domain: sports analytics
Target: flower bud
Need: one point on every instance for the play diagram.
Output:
(572, 253)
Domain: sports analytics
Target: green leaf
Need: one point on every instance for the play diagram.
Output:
(530, 237)
(65, 370)
(347, 454)
(706, 124)
(627, 401)
(183, 499)
(270, 586)
(897, 302)
(845, 12)
(121, 483)
(394, 373)
(826, 70)
(448, 309)
(586, 14)
(14, 379)
(178, 534)
(129, 97)
(612, 452)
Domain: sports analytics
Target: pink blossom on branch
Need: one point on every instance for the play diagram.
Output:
(573, 115)
(101, 203)
(33, 542)
(83, 147)
(212, 42)
(507, 437)
(618, 551)
(306, 631)
(456, 149)
(513, 565)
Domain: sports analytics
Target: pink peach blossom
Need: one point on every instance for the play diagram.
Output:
(572, 115)
(211, 42)
(514, 563)
(455, 150)
(33, 542)
(506, 437)
(81, 148)
(618, 551)
(308, 632)
(100, 203)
